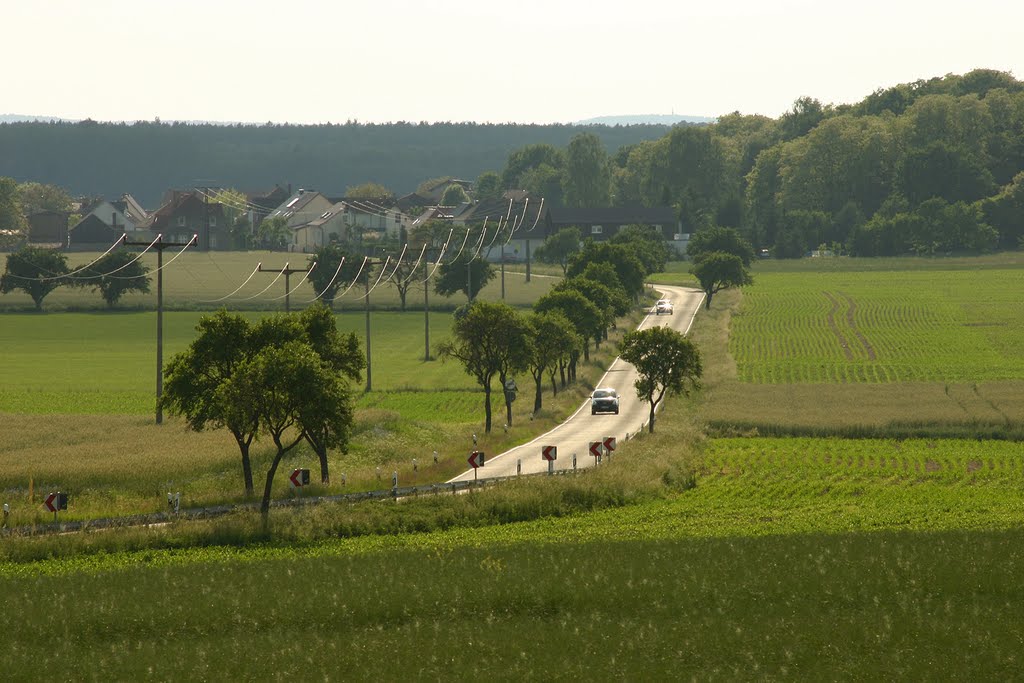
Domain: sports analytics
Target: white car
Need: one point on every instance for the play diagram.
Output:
(663, 306)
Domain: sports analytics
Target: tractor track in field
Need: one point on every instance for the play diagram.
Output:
(851, 311)
(832, 325)
(856, 330)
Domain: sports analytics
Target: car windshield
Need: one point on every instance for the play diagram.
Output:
(604, 393)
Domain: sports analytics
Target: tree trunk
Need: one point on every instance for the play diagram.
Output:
(265, 505)
(243, 447)
(508, 409)
(487, 410)
(537, 396)
(325, 475)
(561, 370)
(586, 351)
(650, 425)
(707, 301)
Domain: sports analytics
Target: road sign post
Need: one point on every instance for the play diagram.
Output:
(298, 478)
(549, 453)
(609, 446)
(56, 502)
(476, 461)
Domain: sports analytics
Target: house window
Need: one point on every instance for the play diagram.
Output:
(181, 221)
(213, 221)
(596, 229)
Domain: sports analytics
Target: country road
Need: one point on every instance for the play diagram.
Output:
(575, 434)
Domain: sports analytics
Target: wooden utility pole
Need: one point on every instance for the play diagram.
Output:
(160, 245)
(287, 275)
(369, 370)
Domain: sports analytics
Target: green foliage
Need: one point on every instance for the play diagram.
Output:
(273, 233)
(586, 180)
(647, 243)
(336, 269)
(718, 270)
(371, 191)
(488, 187)
(36, 271)
(488, 339)
(12, 216)
(529, 158)
(465, 274)
(587, 319)
(558, 248)
(627, 266)
(727, 240)
(666, 363)
(42, 197)
(454, 195)
(114, 275)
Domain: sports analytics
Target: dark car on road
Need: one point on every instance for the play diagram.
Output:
(604, 401)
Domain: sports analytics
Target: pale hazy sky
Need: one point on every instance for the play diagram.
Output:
(306, 61)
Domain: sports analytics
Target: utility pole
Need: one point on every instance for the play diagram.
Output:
(287, 274)
(426, 313)
(160, 245)
(369, 265)
(527, 259)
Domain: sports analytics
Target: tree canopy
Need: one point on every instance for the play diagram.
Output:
(666, 362)
(37, 271)
(718, 270)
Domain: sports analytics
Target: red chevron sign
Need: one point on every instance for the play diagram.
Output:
(476, 459)
(56, 501)
(299, 478)
(549, 452)
(595, 448)
(609, 444)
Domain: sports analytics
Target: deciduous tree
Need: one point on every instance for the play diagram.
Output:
(559, 247)
(480, 341)
(717, 270)
(465, 274)
(35, 271)
(115, 274)
(666, 363)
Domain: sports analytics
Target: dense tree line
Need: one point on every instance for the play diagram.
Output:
(926, 168)
(147, 158)
(604, 281)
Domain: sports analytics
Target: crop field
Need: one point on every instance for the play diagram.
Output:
(854, 349)
(913, 326)
(210, 280)
(790, 558)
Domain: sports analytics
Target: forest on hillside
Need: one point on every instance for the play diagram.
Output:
(930, 167)
(147, 158)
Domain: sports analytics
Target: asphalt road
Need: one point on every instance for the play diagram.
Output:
(575, 434)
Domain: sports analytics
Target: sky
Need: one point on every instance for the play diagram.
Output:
(525, 61)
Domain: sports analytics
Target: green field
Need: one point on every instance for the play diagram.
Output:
(911, 326)
(739, 557)
(106, 362)
(209, 280)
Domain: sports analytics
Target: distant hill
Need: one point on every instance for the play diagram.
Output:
(147, 158)
(644, 120)
(17, 118)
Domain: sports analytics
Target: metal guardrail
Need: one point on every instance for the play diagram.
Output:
(162, 518)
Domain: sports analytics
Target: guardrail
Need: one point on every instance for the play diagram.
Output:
(162, 518)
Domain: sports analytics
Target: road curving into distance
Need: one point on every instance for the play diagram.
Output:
(575, 434)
